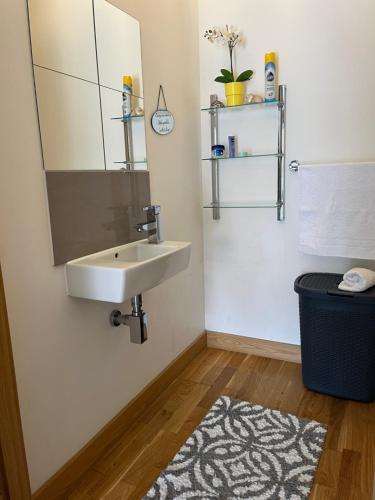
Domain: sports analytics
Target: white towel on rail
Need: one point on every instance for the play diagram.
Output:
(358, 279)
(337, 209)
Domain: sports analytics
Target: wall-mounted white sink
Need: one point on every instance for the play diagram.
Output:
(117, 274)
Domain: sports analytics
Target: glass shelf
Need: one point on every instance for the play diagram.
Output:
(131, 95)
(131, 162)
(261, 155)
(121, 118)
(246, 204)
(246, 105)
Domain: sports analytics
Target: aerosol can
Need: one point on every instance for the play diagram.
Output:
(270, 77)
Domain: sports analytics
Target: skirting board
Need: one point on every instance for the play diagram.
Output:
(258, 347)
(58, 486)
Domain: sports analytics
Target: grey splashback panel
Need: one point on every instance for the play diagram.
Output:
(92, 211)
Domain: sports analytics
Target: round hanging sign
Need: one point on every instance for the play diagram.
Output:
(162, 120)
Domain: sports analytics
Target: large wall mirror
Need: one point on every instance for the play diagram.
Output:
(81, 50)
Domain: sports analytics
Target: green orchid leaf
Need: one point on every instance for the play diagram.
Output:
(246, 75)
(228, 75)
(222, 79)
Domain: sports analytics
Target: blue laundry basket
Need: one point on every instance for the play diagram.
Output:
(337, 337)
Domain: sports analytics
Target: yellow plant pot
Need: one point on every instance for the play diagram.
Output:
(235, 93)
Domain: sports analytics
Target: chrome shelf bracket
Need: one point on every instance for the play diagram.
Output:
(215, 172)
(281, 157)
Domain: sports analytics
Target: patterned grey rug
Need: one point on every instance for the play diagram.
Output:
(244, 451)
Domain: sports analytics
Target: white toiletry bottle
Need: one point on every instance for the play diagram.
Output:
(270, 77)
(127, 90)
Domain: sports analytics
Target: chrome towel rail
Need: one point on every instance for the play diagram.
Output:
(294, 165)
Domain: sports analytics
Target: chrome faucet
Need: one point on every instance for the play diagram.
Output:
(153, 224)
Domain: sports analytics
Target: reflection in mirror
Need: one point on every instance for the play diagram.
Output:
(63, 38)
(70, 122)
(81, 51)
(119, 47)
(114, 131)
(119, 54)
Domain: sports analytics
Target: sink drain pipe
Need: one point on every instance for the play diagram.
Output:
(137, 320)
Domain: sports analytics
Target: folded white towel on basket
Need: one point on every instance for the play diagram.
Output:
(358, 279)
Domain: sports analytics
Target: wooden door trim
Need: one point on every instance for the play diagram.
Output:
(4, 494)
(11, 436)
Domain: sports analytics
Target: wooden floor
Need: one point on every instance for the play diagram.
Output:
(346, 469)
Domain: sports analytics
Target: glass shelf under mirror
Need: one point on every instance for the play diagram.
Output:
(134, 95)
(245, 105)
(260, 155)
(131, 162)
(245, 204)
(135, 117)
(122, 92)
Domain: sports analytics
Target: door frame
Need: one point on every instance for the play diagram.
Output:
(12, 446)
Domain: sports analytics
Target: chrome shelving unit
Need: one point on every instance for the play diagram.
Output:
(279, 203)
(129, 161)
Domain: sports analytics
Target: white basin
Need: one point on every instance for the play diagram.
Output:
(117, 274)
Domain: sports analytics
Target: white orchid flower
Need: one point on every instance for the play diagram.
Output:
(228, 36)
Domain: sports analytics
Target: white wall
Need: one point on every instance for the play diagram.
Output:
(74, 371)
(324, 49)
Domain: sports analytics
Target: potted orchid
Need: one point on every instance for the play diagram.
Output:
(235, 88)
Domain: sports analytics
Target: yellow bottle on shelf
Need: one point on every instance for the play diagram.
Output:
(127, 90)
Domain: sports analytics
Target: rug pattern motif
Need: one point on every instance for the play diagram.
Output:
(244, 451)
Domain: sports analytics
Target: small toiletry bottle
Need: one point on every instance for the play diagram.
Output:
(217, 151)
(270, 77)
(232, 146)
(127, 90)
